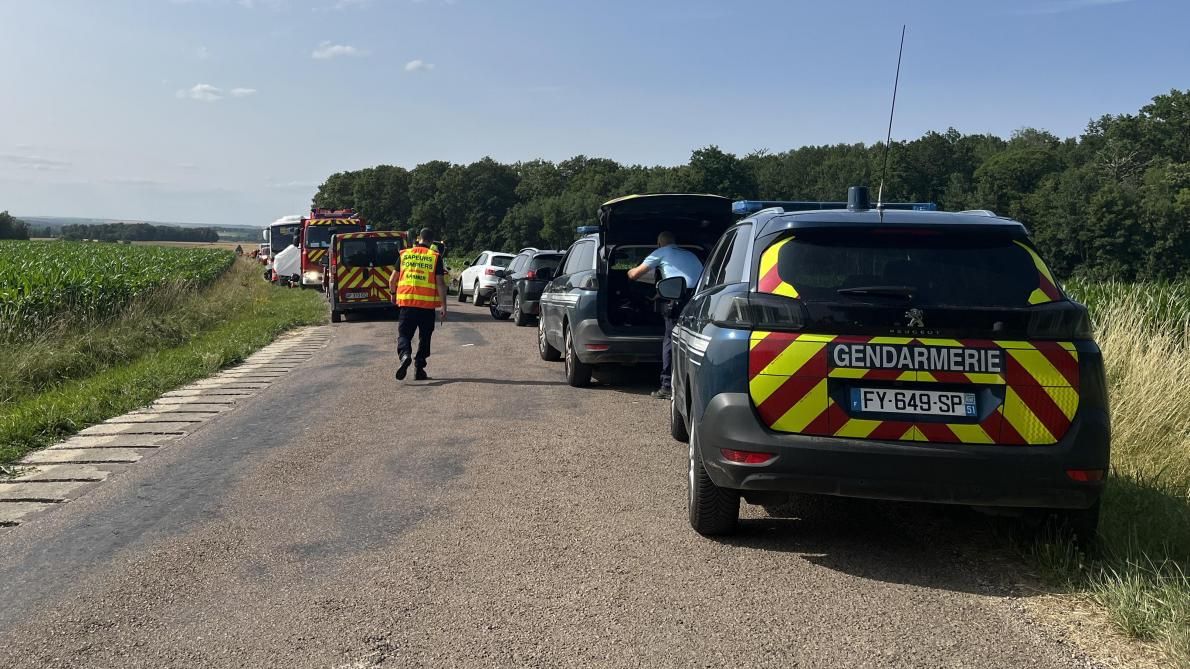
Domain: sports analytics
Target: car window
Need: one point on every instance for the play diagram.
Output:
(715, 266)
(482, 259)
(386, 252)
(548, 260)
(500, 261)
(581, 257)
(355, 253)
(939, 270)
(516, 264)
(737, 256)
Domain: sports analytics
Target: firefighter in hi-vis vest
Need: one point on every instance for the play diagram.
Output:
(419, 287)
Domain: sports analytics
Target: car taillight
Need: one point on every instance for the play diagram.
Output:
(1085, 475)
(758, 311)
(746, 457)
(1069, 322)
(489, 271)
(531, 274)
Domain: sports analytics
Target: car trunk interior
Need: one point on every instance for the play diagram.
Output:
(628, 232)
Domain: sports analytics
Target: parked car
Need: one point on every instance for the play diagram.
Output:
(521, 283)
(895, 355)
(479, 279)
(591, 313)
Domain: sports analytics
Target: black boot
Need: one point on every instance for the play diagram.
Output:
(420, 375)
(404, 368)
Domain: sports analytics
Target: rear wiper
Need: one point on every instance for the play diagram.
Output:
(883, 291)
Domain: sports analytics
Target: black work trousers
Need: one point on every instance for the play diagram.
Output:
(667, 354)
(421, 321)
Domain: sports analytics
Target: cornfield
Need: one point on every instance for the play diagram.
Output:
(41, 283)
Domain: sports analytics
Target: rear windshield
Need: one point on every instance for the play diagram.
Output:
(939, 270)
(551, 261)
(369, 252)
(355, 252)
(501, 261)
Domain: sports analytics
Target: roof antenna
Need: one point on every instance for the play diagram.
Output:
(891, 111)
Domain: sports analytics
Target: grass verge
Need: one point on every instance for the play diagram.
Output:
(72, 378)
(1141, 574)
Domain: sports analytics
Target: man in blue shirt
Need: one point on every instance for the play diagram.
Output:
(672, 260)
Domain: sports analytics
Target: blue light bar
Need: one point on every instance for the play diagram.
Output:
(588, 229)
(748, 207)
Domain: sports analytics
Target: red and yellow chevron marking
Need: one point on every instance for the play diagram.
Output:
(333, 221)
(373, 279)
(374, 234)
(790, 377)
(1047, 288)
(315, 255)
(770, 280)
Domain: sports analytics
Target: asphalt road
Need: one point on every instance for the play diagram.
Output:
(491, 517)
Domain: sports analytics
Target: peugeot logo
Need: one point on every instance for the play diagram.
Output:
(917, 318)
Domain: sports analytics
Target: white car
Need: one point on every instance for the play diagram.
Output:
(479, 279)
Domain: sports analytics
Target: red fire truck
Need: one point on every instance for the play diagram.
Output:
(315, 241)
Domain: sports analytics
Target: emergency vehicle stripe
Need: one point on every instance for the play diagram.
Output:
(937, 432)
(765, 347)
(1047, 288)
(770, 279)
(790, 379)
(802, 398)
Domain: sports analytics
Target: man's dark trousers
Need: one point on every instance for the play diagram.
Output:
(667, 354)
(415, 319)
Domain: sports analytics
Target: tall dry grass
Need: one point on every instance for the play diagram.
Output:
(1142, 575)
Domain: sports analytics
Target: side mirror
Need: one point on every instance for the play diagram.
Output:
(673, 288)
(544, 274)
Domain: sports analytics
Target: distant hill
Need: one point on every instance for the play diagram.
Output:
(227, 232)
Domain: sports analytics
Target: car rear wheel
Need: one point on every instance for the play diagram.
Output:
(336, 316)
(713, 510)
(494, 308)
(461, 296)
(475, 298)
(1083, 524)
(677, 425)
(544, 349)
(519, 317)
(578, 373)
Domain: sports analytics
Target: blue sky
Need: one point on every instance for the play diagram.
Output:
(233, 111)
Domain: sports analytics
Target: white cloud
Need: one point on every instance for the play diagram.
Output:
(326, 50)
(134, 181)
(202, 53)
(348, 4)
(33, 162)
(202, 93)
(209, 93)
(418, 65)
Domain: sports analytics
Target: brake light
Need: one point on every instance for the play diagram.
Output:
(531, 274)
(758, 311)
(1085, 475)
(489, 271)
(1071, 321)
(747, 457)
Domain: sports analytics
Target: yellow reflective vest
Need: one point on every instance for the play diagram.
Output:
(417, 285)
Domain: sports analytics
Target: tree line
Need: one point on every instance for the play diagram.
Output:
(12, 227)
(1113, 202)
(138, 232)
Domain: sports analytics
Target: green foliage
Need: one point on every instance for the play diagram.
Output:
(138, 232)
(41, 282)
(1114, 202)
(12, 228)
(80, 375)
